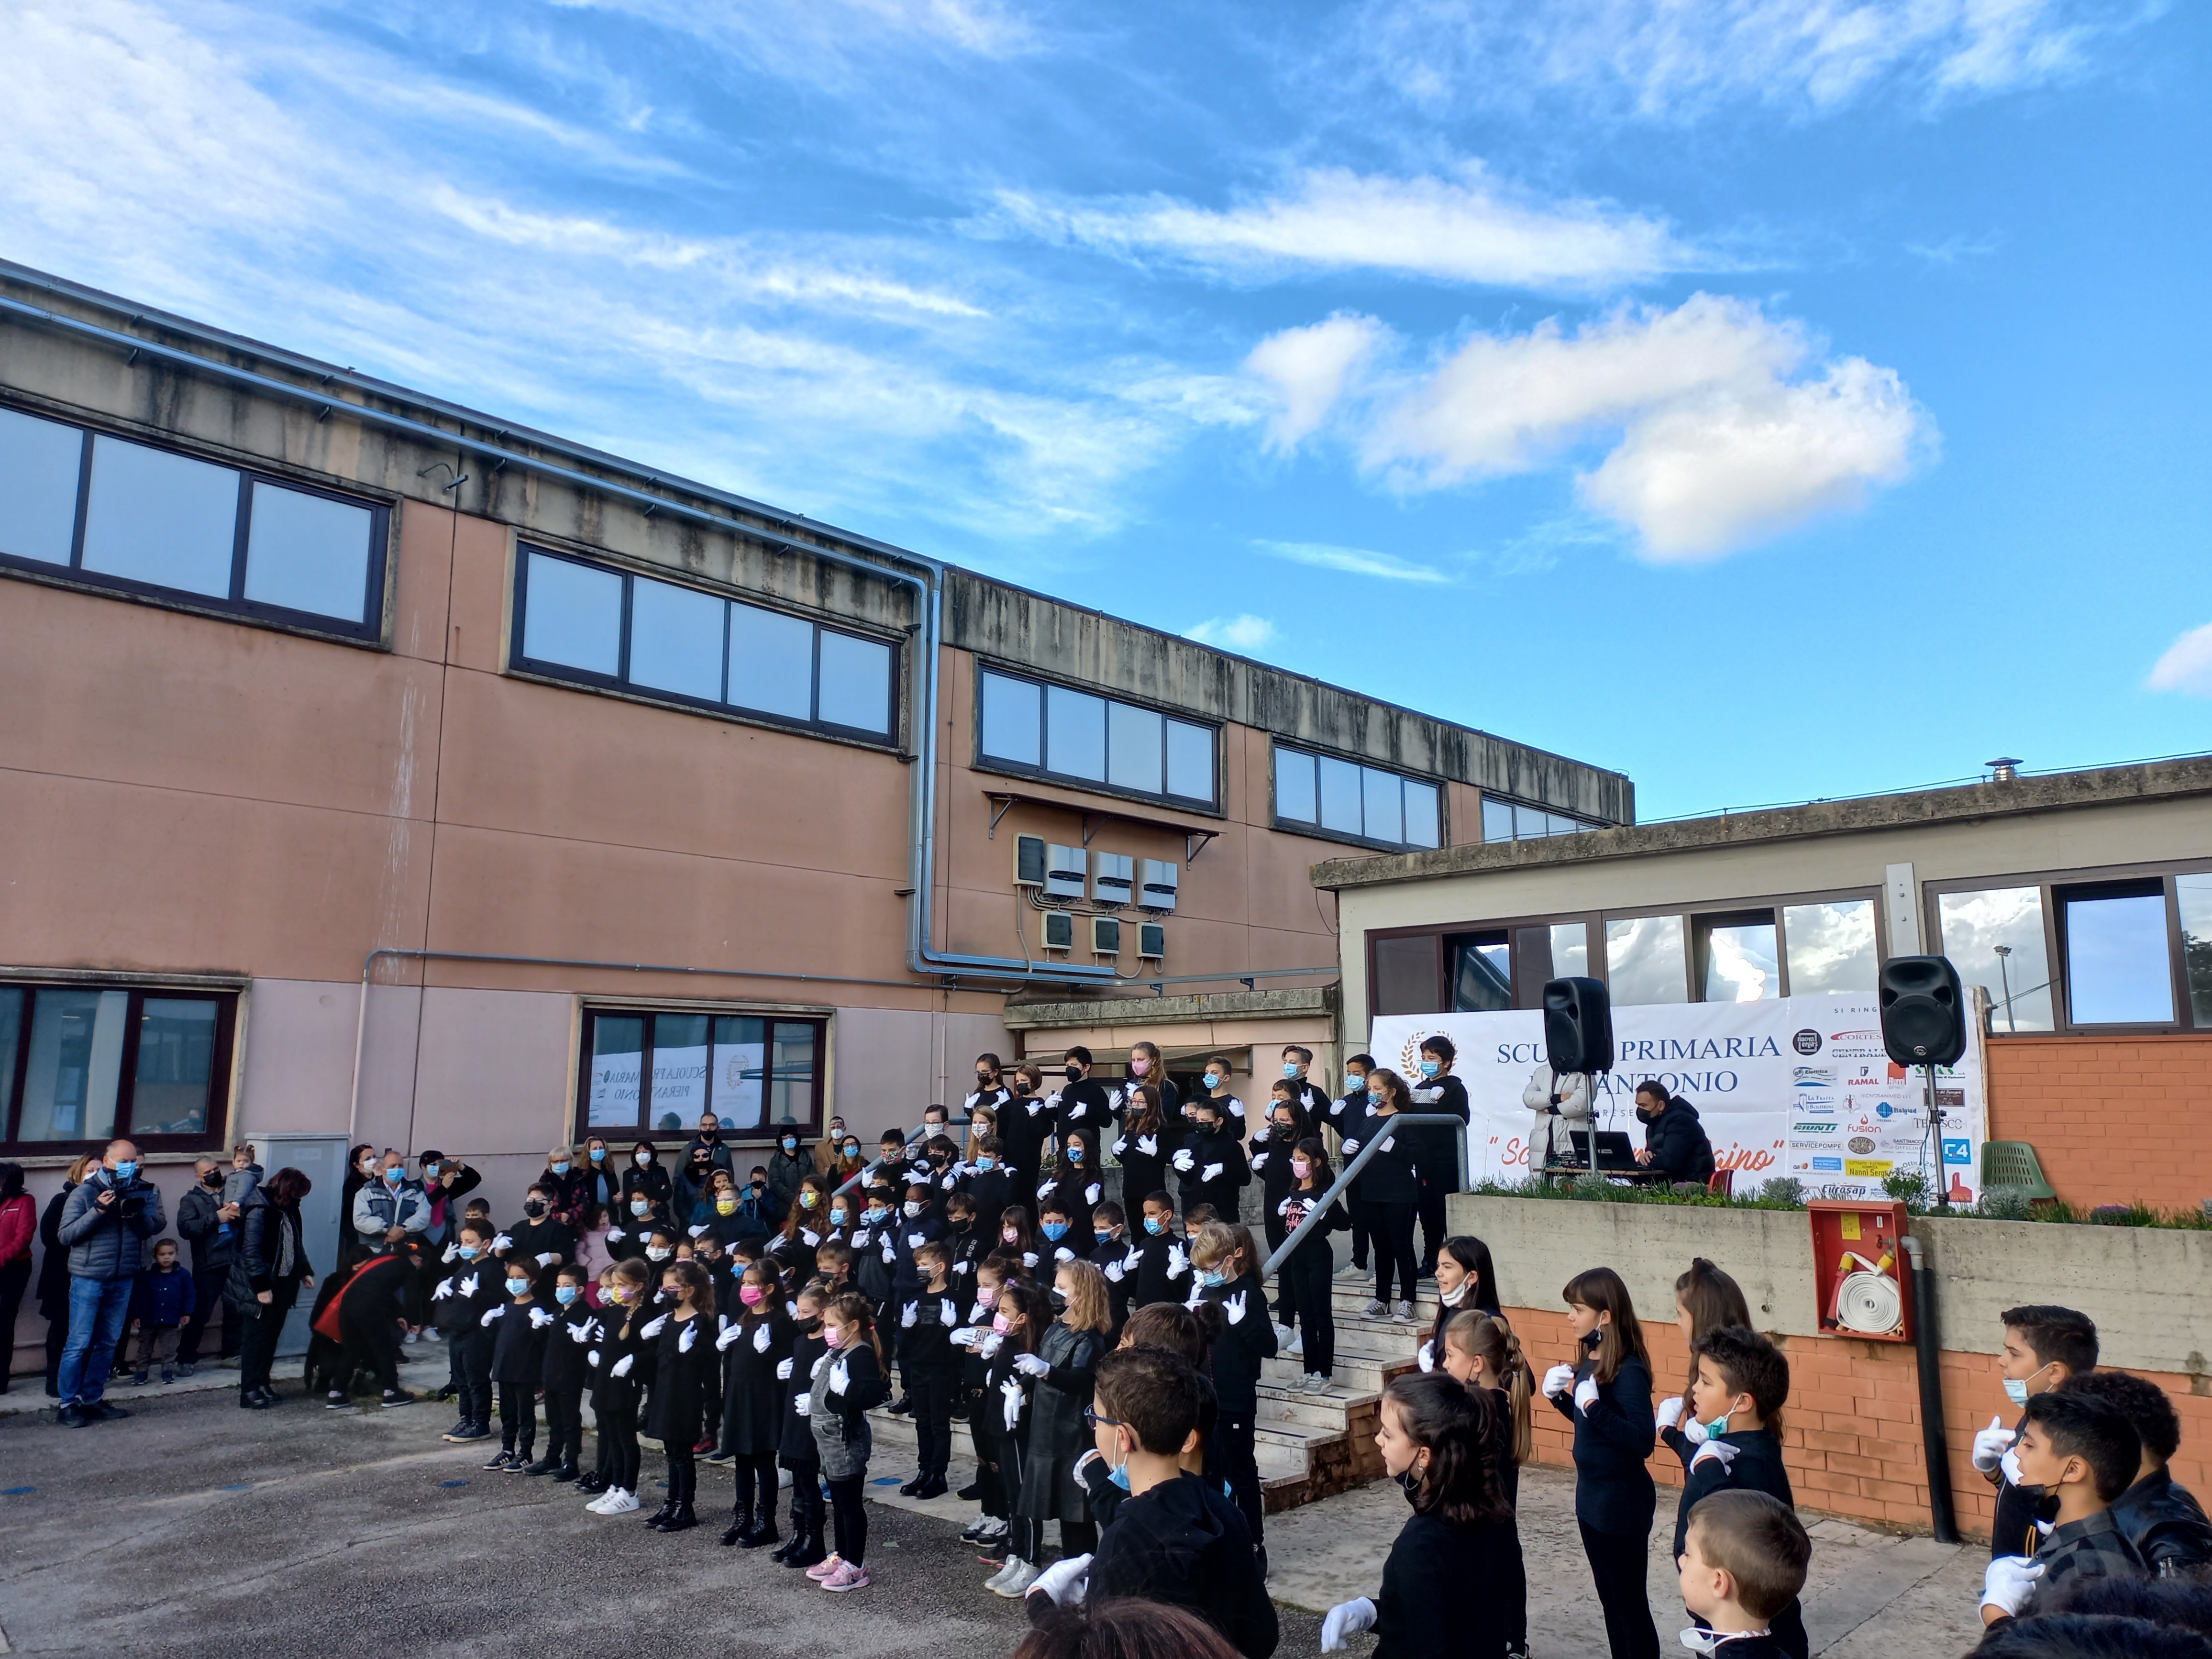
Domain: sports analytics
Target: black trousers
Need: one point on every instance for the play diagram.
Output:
(1025, 1539)
(1287, 1307)
(472, 1371)
(848, 1517)
(13, 1279)
(1363, 1230)
(618, 1449)
(518, 1417)
(1432, 1208)
(1617, 1561)
(1306, 1278)
(259, 1329)
(755, 1479)
(207, 1289)
(1393, 1225)
(683, 1473)
(931, 1389)
(564, 1424)
(372, 1344)
(1229, 1458)
(805, 1491)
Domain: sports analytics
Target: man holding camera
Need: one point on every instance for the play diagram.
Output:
(105, 1222)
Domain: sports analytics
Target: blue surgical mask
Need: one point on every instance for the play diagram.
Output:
(1353, 1081)
(1055, 1231)
(790, 1145)
(837, 1214)
(2015, 1390)
(1290, 1068)
(1211, 1278)
(564, 1294)
(987, 1163)
(1719, 1426)
(126, 1169)
(1155, 1226)
(640, 1207)
(1074, 1153)
(1103, 1235)
(560, 1168)
(469, 1252)
(430, 1171)
(395, 1175)
(518, 1287)
(598, 1153)
(1213, 1079)
(1118, 1474)
(1430, 1068)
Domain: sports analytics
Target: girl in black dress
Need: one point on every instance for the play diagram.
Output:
(685, 1355)
(621, 1363)
(755, 1342)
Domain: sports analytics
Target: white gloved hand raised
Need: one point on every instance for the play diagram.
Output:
(1694, 1432)
(2010, 1464)
(1063, 1253)
(685, 1342)
(992, 1343)
(1178, 1263)
(540, 1319)
(783, 1370)
(1047, 1188)
(651, 1328)
(1211, 1172)
(911, 1316)
(1185, 1161)
(1670, 1413)
(579, 1334)
(1029, 1365)
(1428, 1356)
(452, 1251)
(1028, 1258)
(1990, 1444)
(1235, 1308)
(444, 1289)
(1346, 1619)
(839, 1377)
(699, 1228)
(1258, 1160)
(947, 1315)
(1558, 1381)
(502, 1242)
(1064, 1580)
(548, 1258)
(1724, 1452)
(1113, 1271)
(731, 1336)
(967, 1336)
(491, 1314)
(891, 1252)
(1350, 1147)
(1091, 1193)
(622, 1365)
(808, 1237)
(2009, 1582)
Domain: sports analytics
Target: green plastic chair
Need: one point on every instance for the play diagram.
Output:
(2010, 1166)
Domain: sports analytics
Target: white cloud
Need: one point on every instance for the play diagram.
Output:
(1357, 560)
(1675, 59)
(1244, 633)
(1467, 229)
(1308, 369)
(2187, 664)
(1720, 427)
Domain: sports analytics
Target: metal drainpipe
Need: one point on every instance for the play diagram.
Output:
(1927, 1346)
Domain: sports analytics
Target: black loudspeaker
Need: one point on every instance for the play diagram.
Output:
(1577, 1025)
(1923, 1010)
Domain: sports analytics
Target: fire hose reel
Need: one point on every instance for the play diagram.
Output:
(1859, 1282)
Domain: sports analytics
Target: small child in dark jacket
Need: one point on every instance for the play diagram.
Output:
(1743, 1560)
(518, 1366)
(567, 1371)
(1226, 1259)
(797, 1451)
(1162, 1270)
(162, 1305)
(465, 1306)
(931, 1365)
(846, 1384)
(1743, 1380)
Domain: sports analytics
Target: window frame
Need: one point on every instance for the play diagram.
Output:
(222, 1067)
(522, 665)
(1000, 766)
(1314, 752)
(2053, 886)
(589, 1011)
(1485, 796)
(233, 606)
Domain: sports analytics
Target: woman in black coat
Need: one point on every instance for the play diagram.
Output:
(1606, 1395)
(756, 1340)
(266, 1277)
(644, 1174)
(53, 1275)
(362, 1165)
(1148, 1139)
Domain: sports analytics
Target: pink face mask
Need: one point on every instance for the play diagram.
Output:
(833, 1336)
(1010, 1236)
(1139, 1067)
(1001, 1324)
(751, 1295)
(1301, 1167)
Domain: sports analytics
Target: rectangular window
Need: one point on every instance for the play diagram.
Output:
(1546, 951)
(2119, 967)
(656, 1074)
(1407, 975)
(154, 522)
(1737, 958)
(1497, 819)
(82, 1065)
(1505, 820)
(2194, 894)
(1365, 803)
(1061, 732)
(1482, 974)
(1643, 960)
(1831, 948)
(1994, 938)
(579, 620)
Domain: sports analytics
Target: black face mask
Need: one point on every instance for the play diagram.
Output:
(1410, 1484)
(1021, 1085)
(212, 1178)
(1284, 1131)
(535, 1208)
(1075, 1074)
(758, 1187)
(710, 1134)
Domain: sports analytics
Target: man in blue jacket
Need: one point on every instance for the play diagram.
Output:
(105, 1224)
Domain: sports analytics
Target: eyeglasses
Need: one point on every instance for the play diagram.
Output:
(1092, 1420)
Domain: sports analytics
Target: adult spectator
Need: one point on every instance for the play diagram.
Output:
(390, 1207)
(709, 1140)
(826, 1148)
(267, 1274)
(646, 1175)
(211, 1227)
(105, 1225)
(19, 1225)
(362, 1167)
(565, 1184)
(53, 1273)
(366, 1319)
(1675, 1142)
(1561, 1102)
(787, 1168)
(602, 1175)
(445, 1180)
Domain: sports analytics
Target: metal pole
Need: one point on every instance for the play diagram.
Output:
(1391, 1125)
(1936, 1129)
(1927, 1349)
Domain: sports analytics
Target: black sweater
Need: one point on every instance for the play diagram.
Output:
(1236, 1352)
(1756, 1467)
(569, 1347)
(1445, 1591)
(1388, 1177)
(518, 1343)
(1613, 1490)
(1218, 1147)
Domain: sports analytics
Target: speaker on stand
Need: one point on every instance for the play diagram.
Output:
(1578, 1035)
(1923, 1023)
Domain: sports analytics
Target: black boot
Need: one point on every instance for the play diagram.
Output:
(659, 1519)
(680, 1519)
(593, 1482)
(808, 1550)
(569, 1472)
(790, 1545)
(763, 1530)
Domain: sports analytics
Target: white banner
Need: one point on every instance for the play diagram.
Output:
(1798, 1087)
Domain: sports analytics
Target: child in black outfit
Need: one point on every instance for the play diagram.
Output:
(683, 1361)
(1061, 1242)
(621, 1363)
(754, 1343)
(1162, 1266)
(1743, 1380)
(518, 1367)
(1211, 1160)
(162, 1303)
(1742, 1560)
(875, 1247)
(566, 1371)
(930, 1366)
(2084, 1452)
(1227, 1261)
(988, 1184)
(466, 1304)
(796, 1450)
(1308, 1277)
(1110, 1253)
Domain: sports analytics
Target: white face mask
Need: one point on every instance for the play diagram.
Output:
(912, 1206)
(644, 1158)
(1452, 1298)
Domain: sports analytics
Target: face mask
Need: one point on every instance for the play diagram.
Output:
(639, 1206)
(1057, 1297)
(1104, 1235)
(1074, 1072)
(751, 1295)
(518, 1288)
(657, 1251)
(1719, 1426)
(395, 1176)
(913, 1208)
(614, 1292)
(758, 1187)
(1301, 1167)
(1118, 1474)
(1139, 1066)
(2015, 1390)
(1213, 1079)
(1155, 1226)
(806, 1199)
(725, 1207)
(1001, 1324)
(211, 1179)
(987, 1163)
(560, 1168)
(598, 1154)
(469, 1252)
(853, 1149)
(564, 1294)
(369, 1166)
(1212, 1278)
(833, 1337)
(1010, 1236)
(1290, 1068)
(1376, 1097)
(644, 1158)
(430, 1171)
(1055, 1231)
(1453, 1296)
(790, 1144)
(1410, 1484)
(1430, 1068)
(1021, 1085)
(1705, 1642)
(1282, 1131)
(838, 1214)
(878, 1215)
(1075, 1154)
(535, 1208)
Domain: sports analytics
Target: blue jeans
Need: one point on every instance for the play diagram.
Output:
(99, 1308)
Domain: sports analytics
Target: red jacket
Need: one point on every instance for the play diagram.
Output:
(327, 1323)
(19, 1224)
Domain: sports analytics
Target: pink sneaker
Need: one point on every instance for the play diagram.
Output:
(823, 1568)
(847, 1578)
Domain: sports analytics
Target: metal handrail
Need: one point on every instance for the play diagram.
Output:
(1391, 1125)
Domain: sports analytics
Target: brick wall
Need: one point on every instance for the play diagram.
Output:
(1851, 1431)
(2107, 1115)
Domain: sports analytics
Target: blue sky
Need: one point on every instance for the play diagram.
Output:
(1769, 398)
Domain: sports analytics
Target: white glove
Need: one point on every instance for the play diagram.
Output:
(1284, 1208)
(1586, 1394)
(699, 1228)
(992, 1343)
(1178, 1263)
(1064, 1580)
(616, 1234)
(1121, 1145)
(1037, 1106)
(1211, 1172)
(1029, 1365)
(891, 1252)
(1258, 1160)
(1558, 1381)
(548, 1258)
(1028, 1258)
(1010, 1392)
(491, 1314)
(592, 1359)
(950, 1183)
(684, 1343)
(1090, 1194)
(1346, 1619)
(651, 1327)
(1234, 1307)
(808, 1238)
(1113, 1272)
(916, 1241)
(980, 1313)
(1063, 1253)
(967, 1336)
(444, 1289)
(622, 1365)
(1184, 1161)
(760, 1339)
(1133, 1260)
(1047, 1188)
(839, 1377)
(731, 1336)
(803, 1404)
(452, 1251)
(1670, 1413)
(1694, 1432)
(1148, 1145)
(911, 1317)
(2010, 1464)
(963, 1267)
(783, 1370)
(540, 1319)
(2009, 1582)
(1724, 1452)
(1990, 1444)
(502, 1242)
(779, 1244)
(947, 1315)
(468, 1285)
(1428, 1355)
(1350, 1147)
(579, 1334)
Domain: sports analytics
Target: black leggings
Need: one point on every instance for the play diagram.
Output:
(564, 1424)
(931, 1388)
(618, 1451)
(805, 1493)
(755, 1476)
(1025, 1540)
(683, 1473)
(1306, 1280)
(848, 1515)
(1393, 1225)
(1430, 1208)
(1229, 1458)
(1618, 1564)
(518, 1417)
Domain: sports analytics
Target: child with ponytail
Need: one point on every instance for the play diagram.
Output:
(684, 1358)
(1482, 1352)
(753, 1345)
(849, 1381)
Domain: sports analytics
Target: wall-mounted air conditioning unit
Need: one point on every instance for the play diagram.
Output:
(1158, 890)
(1113, 877)
(1151, 941)
(1105, 936)
(1067, 870)
(1058, 931)
(1029, 861)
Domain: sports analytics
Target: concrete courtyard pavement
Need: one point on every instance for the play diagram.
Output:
(209, 1531)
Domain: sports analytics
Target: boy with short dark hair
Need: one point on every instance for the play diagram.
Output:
(988, 1184)
(2082, 1451)
(162, 1303)
(834, 1262)
(930, 1367)
(566, 1372)
(463, 1304)
(1163, 1268)
(2162, 1520)
(1211, 1161)
(2044, 1345)
(1742, 1383)
(1742, 1561)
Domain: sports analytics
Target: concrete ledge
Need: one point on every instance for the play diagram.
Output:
(1304, 1001)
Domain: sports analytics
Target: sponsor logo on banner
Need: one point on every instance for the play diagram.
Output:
(1825, 1105)
(1814, 1077)
(1957, 1151)
(1806, 1042)
(1807, 1129)
(1862, 1143)
(1863, 1044)
(1828, 1165)
(1868, 1166)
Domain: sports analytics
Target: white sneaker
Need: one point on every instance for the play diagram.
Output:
(1014, 1564)
(408, 1340)
(1015, 1582)
(1405, 1313)
(620, 1501)
(1296, 1346)
(994, 1530)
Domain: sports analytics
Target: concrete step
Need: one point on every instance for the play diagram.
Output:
(1317, 1410)
(1354, 1375)
(1351, 1299)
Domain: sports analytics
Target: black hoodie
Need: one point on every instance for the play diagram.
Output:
(1677, 1143)
(1184, 1543)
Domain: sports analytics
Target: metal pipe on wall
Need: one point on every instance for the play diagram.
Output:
(1928, 1353)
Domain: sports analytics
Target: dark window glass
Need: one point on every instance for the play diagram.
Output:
(11, 1044)
(2194, 892)
(1013, 721)
(82, 1065)
(38, 464)
(791, 1098)
(659, 1074)
(176, 1066)
(1406, 976)
(1088, 738)
(1482, 974)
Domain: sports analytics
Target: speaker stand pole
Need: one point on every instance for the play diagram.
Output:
(1594, 1077)
(1935, 1134)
